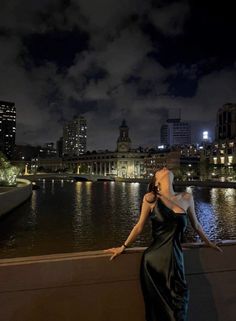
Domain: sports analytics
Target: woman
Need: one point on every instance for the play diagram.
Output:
(162, 275)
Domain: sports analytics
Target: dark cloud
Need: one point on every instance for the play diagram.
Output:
(53, 47)
(110, 60)
(170, 19)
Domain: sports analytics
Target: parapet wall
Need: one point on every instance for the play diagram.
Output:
(86, 286)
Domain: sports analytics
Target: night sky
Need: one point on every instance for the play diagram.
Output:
(108, 60)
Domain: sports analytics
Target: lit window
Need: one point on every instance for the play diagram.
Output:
(230, 159)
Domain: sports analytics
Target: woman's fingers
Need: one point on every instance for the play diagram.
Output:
(109, 250)
(217, 247)
(112, 257)
(112, 250)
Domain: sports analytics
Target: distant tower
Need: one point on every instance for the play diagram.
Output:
(226, 122)
(7, 128)
(123, 141)
(75, 137)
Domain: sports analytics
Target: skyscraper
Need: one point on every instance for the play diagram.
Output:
(7, 128)
(175, 131)
(75, 137)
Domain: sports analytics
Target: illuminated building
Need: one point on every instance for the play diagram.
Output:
(75, 137)
(7, 128)
(205, 135)
(223, 150)
(175, 131)
(124, 162)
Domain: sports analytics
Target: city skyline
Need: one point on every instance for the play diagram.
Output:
(131, 60)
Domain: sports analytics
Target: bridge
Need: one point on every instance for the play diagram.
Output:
(76, 177)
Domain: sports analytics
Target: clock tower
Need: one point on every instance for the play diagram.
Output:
(123, 141)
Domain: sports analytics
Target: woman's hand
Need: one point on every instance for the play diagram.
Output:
(214, 246)
(115, 251)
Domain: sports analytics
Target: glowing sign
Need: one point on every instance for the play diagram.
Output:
(205, 135)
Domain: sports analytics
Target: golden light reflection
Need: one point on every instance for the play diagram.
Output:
(78, 187)
(113, 191)
(53, 187)
(134, 192)
(33, 216)
(77, 217)
(44, 187)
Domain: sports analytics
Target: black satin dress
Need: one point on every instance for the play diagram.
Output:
(162, 275)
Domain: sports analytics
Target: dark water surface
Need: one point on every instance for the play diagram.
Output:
(64, 216)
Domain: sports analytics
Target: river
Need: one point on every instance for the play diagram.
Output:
(65, 216)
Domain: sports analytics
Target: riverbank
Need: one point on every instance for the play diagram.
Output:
(206, 183)
(200, 183)
(12, 197)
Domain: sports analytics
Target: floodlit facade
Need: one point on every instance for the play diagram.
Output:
(124, 162)
(223, 152)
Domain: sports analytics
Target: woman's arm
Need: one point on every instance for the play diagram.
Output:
(137, 229)
(197, 226)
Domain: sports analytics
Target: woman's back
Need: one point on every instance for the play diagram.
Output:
(163, 281)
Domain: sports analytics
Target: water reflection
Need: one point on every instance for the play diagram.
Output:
(77, 216)
(52, 187)
(63, 216)
(224, 202)
(43, 187)
(34, 208)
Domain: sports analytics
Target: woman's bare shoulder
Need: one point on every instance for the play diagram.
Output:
(149, 197)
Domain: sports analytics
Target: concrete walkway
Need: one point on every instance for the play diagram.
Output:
(86, 286)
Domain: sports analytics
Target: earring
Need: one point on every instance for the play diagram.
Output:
(158, 187)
